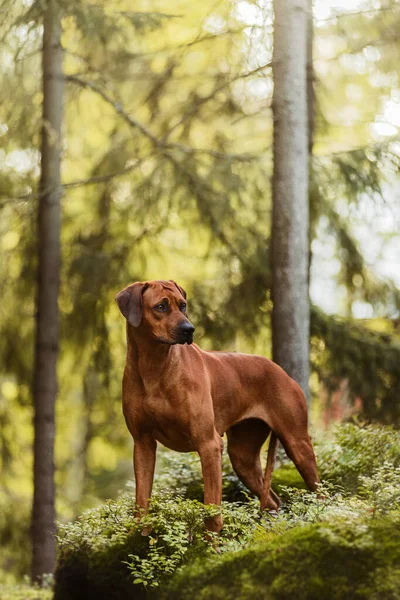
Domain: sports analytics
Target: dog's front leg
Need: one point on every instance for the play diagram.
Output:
(210, 453)
(144, 460)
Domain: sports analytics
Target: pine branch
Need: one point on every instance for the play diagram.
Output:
(74, 184)
(197, 40)
(162, 144)
(203, 100)
(131, 121)
(357, 13)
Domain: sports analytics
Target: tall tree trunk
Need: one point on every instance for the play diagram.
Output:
(47, 328)
(291, 308)
(311, 127)
(310, 78)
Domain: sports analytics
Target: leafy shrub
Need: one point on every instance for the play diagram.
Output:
(382, 489)
(301, 507)
(181, 474)
(332, 561)
(104, 553)
(357, 450)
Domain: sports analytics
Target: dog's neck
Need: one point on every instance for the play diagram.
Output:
(146, 357)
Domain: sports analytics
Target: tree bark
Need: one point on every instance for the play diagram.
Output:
(310, 78)
(290, 211)
(311, 129)
(47, 326)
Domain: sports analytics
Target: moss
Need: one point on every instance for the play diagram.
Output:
(287, 476)
(331, 561)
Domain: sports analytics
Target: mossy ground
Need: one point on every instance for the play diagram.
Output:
(330, 561)
(287, 476)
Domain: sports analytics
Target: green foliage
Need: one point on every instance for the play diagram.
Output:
(313, 542)
(107, 551)
(352, 450)
(333, 561)
(181, 474)
(357, 450)
(301, 507)
(14, 538)
(382, 489)
(287, 476)
(25, 592)
(368, 361)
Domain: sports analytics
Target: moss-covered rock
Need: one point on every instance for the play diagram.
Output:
(326, 561)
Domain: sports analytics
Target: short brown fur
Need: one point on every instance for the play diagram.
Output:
(186, 398)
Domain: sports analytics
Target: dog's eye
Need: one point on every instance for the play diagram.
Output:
(183, 306)
(160, 307)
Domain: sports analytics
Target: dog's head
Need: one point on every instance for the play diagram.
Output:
(158, 308)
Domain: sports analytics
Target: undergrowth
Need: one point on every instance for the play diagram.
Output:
(107, 554)
(175, 528)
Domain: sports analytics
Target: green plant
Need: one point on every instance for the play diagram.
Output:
(382, 489)
(106, 552)
(181, 474)
(357, 449)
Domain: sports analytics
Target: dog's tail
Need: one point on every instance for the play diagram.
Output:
(268, 498)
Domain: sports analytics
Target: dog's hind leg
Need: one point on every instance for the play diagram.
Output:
(291, 427)
(268, 492)
(245, 441)
(300, 451)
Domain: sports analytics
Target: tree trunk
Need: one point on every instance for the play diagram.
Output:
(47, 328)
(311, 127)
(310, 78)
(290, 212)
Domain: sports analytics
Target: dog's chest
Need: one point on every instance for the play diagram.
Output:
(170, 423)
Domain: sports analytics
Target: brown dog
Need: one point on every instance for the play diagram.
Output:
(185, 398)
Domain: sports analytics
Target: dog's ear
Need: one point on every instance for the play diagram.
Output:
(182, 291)
(130, 302)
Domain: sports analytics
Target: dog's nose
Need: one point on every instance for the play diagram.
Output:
(187, 328)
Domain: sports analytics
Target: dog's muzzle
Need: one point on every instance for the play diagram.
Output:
(185, 333)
